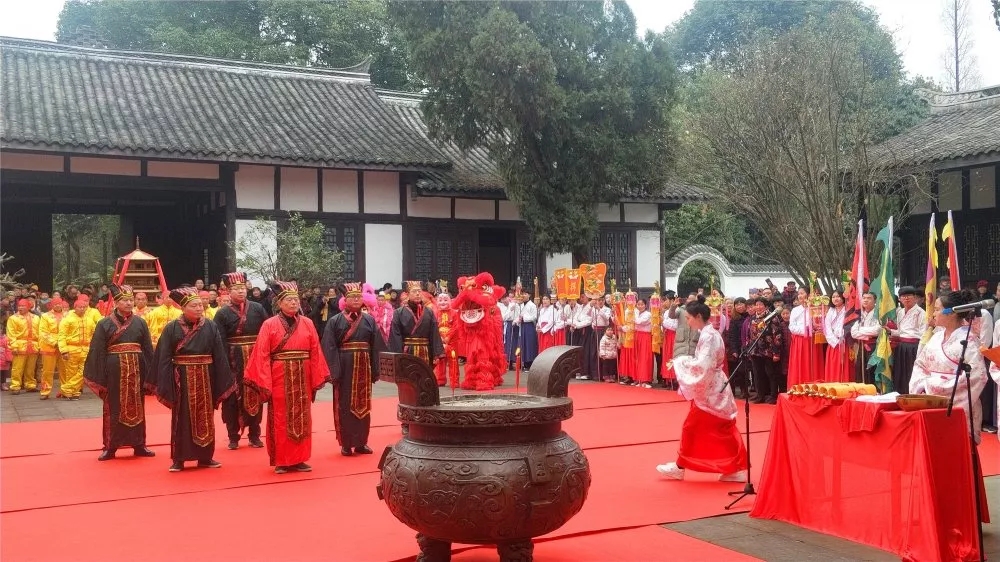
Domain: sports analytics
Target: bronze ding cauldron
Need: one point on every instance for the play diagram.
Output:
(484, 468)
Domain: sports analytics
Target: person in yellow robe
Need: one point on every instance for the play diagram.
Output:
(93, 313)
(160, 316)
(48, 329)
(75, 333)
(22, 338)
(141, 305)
(206, 302)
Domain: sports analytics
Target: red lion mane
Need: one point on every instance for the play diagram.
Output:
(479, 328)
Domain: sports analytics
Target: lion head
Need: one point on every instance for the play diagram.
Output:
(476, 296)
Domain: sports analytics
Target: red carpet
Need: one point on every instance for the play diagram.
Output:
(51, 480)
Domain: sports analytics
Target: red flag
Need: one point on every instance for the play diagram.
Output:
(948, 233)
(859, 279)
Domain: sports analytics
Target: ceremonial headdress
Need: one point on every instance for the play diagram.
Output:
(119, 292)
(56, 301)
(908, 290)
(411, 285)
(82, 299)
(235, 279)
(183, 296)
(204, 294)
(24, 302)
(282, 289)
(352, 289)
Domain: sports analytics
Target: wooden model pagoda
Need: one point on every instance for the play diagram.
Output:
(140, 270)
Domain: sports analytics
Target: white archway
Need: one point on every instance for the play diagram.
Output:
(734, 280)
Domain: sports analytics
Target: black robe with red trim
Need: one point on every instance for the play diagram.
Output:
(119, 370)
(410, 323)
(192, 392)
(351, 347)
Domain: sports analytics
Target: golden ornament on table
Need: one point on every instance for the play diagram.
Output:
(833, 390)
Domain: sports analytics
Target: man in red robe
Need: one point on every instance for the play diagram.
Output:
(286, 368)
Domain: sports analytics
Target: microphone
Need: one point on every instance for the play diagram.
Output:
(971, 306)
(770, 315)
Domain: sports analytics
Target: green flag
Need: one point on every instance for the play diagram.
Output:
(886, 309)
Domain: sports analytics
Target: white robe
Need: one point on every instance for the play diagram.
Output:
(934, 371)
(701, 378)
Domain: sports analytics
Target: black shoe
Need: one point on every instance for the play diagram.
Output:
(143, 452)
(989, 429)
(302, 467)
(363, 450)
(209, 464)
(234, 444)
(280, 469)
(106, 455)
(256, 443)
(177, 466)
(771, 400)
(346, 451)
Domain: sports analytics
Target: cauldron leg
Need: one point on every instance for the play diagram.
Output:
(520, 551)
(433, 550)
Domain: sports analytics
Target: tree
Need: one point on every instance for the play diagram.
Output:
(996, 12)
(572, 106)
(958, 60)
(296, 251)
(783, 138)
(85, 248)
(301, 32)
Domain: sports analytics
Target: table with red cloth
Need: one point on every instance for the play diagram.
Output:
(899, 481)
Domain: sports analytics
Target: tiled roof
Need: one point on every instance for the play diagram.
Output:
(473, 173)
(65, 98)
(961, 125)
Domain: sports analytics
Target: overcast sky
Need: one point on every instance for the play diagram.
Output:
(915, 24)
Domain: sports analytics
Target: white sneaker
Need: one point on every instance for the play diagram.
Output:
(671, 470)
(647, 385)
(738, 476)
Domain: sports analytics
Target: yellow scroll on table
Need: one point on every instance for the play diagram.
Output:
(838, 390)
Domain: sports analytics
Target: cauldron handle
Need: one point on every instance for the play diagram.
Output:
(414, 378)
(551, 371)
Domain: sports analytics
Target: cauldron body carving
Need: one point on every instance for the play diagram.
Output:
(484, 469)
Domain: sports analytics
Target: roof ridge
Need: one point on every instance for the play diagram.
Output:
(349, 74)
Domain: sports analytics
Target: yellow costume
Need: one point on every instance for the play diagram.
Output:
(94, 315)
(22, 337)
(48, 328)
(158, 318)
(210, 312)
(75, 332)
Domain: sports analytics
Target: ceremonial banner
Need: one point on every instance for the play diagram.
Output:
(948, 233)
(886, 310)
(593, 279)
(859, 280)
(930, 289)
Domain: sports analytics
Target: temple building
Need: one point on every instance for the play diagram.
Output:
(955, 152)
(189, 151)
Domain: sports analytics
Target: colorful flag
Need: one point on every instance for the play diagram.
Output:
(859, 280)
(948, 233)
(930, 289)
(885, 307)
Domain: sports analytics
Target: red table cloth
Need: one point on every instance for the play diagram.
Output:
(903, 484)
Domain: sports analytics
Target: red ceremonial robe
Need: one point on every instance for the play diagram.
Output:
(287, 367)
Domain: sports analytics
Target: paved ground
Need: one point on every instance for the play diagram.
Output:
(767, 540)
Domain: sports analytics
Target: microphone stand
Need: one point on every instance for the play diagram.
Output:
(748, 489)
(976, 477)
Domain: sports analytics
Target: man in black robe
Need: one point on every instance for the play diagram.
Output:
(118, 370)
(192, 379)
(239, 324)
(415, 329)
(351, 343)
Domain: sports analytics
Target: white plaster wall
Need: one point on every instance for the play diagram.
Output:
(739, 284)
(381, 192)
(340, 191)
(268, 243)
(647, 252)
(426, 207)
(298, 189)
(508, 211)
(641, 212)
(107, 166)
(189, 170)
(554, 262)
(255, 187)
(384, 254)
(33, 162)
(475, 209)
(608, 213)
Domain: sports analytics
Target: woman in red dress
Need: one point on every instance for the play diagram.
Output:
(837, 367)
(546, 325)
(643, 346)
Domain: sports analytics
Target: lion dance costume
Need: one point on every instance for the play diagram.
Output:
(480, 329)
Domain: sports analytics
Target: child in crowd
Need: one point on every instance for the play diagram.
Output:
(609, 356)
